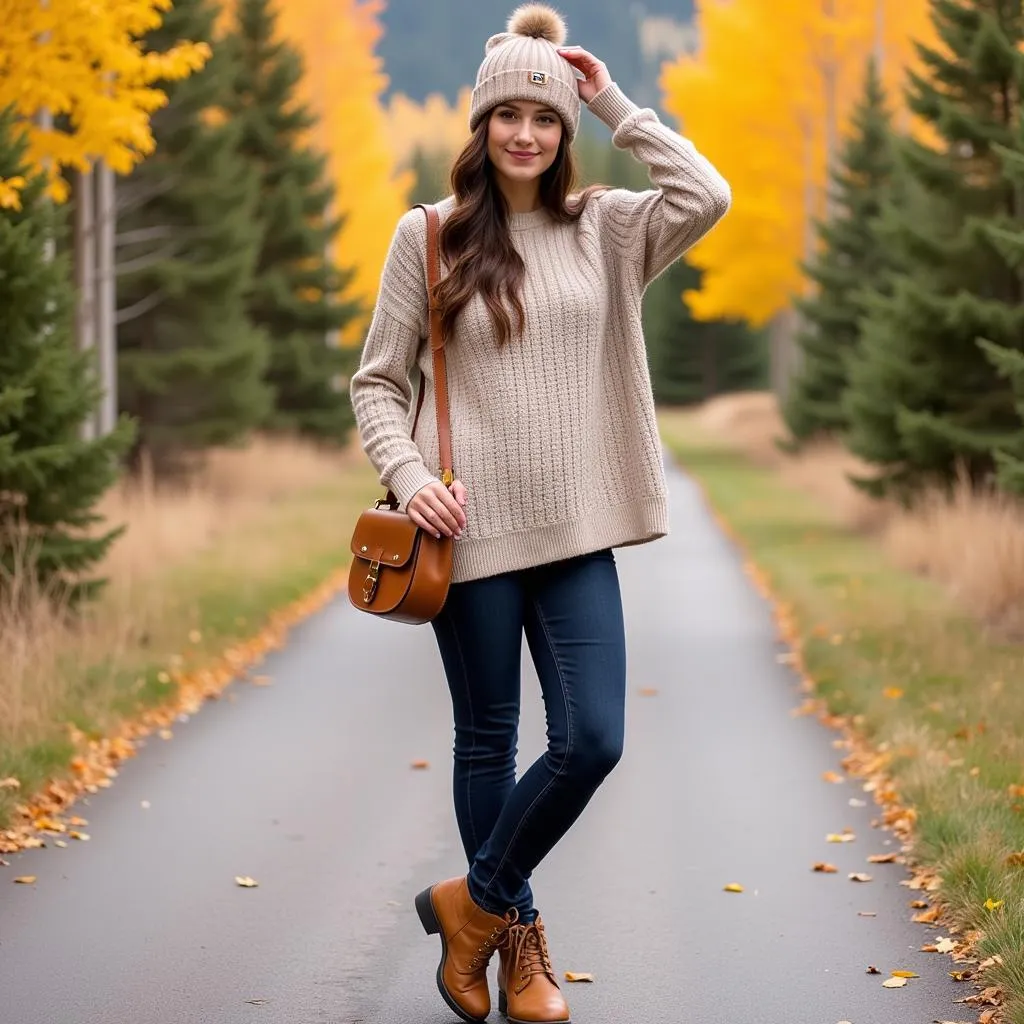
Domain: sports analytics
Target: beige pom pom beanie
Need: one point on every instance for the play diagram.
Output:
(523, 63)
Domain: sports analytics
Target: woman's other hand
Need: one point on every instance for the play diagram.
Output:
(439, 509)
(594, 71)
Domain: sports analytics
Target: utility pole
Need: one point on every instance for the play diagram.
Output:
(85, 277)
(106, 295)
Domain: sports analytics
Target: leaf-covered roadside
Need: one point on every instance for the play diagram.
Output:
(224, 609)
(925, 700)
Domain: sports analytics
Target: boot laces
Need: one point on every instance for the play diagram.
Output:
(491, 943)
(528, 952)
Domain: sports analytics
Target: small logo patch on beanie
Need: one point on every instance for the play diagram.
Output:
(537, 77)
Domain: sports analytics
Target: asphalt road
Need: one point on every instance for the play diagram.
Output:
(306, 786)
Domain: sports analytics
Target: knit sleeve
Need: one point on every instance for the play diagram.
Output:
(382, 389)
(652, 229)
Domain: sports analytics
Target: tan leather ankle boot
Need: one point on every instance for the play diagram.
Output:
(469, 936)
(527, 990)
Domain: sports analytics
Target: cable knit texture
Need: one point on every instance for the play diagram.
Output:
(553, 434)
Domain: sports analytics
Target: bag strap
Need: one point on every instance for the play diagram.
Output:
(444, 430)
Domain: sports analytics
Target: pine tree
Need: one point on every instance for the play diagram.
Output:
(50, 479)
(296, 292)
(191, 364)
(691, 360)
(924, 402)
(850, 260)
(1010, 458)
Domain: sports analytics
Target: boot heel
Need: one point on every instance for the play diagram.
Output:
(502, 1003)
(425, 909)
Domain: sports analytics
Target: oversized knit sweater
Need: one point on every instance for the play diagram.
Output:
(554, 432)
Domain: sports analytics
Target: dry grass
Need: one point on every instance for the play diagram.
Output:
(197, 565)
(972, 542)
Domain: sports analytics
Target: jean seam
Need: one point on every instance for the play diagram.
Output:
(472, 726)
(560, 771)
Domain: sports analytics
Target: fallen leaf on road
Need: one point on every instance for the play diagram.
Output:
(77, 822)
(574, 976)
(648, 691)
(24, 879)
(734, 887)
(904, 974)
(80, 836)
(927, 916)
(257, 1002)
(945, 946)
(991, 904)
(61, 844)
(961, 975)
(840, 837)
(854, 802)
(894, 983)
(165, 734)
(867, 913)
(987, 1017)
(825, 869)
(420, 765)
(883, 858)
(261, 680)
(833, 777)
(859, 876)
(246, 882)
(917, 904)
(872, 970)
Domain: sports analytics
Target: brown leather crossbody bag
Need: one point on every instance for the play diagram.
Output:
(400, 571)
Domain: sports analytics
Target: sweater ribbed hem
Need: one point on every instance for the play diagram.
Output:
(636, 523)
(408, 479)
(612, 106)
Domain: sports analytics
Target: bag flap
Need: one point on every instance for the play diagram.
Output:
(385, 536)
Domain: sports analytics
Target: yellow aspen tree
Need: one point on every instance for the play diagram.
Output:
(434, 126)
(344, 85)
(83, 63)
(768, 99)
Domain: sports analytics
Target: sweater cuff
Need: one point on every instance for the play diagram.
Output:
(408, 479)
(612, 106)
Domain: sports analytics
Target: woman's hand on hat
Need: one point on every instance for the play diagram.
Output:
(594, 71)
(439, 509)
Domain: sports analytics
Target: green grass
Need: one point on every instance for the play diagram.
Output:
(225, 592)
(956, 734)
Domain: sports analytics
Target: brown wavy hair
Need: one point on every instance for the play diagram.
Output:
(475, 241)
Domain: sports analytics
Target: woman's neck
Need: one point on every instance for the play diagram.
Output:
(521, 196)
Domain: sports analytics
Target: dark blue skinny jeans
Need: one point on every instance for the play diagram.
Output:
(571, 613)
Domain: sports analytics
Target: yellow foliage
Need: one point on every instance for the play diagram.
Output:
(343, 85)
(768, 99)
(433, 127)
(83, 59)
(10, 192)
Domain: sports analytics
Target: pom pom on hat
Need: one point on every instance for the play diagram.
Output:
(539, 21)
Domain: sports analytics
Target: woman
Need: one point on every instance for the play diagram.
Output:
(558, 458)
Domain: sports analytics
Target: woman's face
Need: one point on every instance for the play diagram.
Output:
(523, 139)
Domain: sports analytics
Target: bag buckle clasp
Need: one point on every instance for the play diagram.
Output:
(371, 581)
